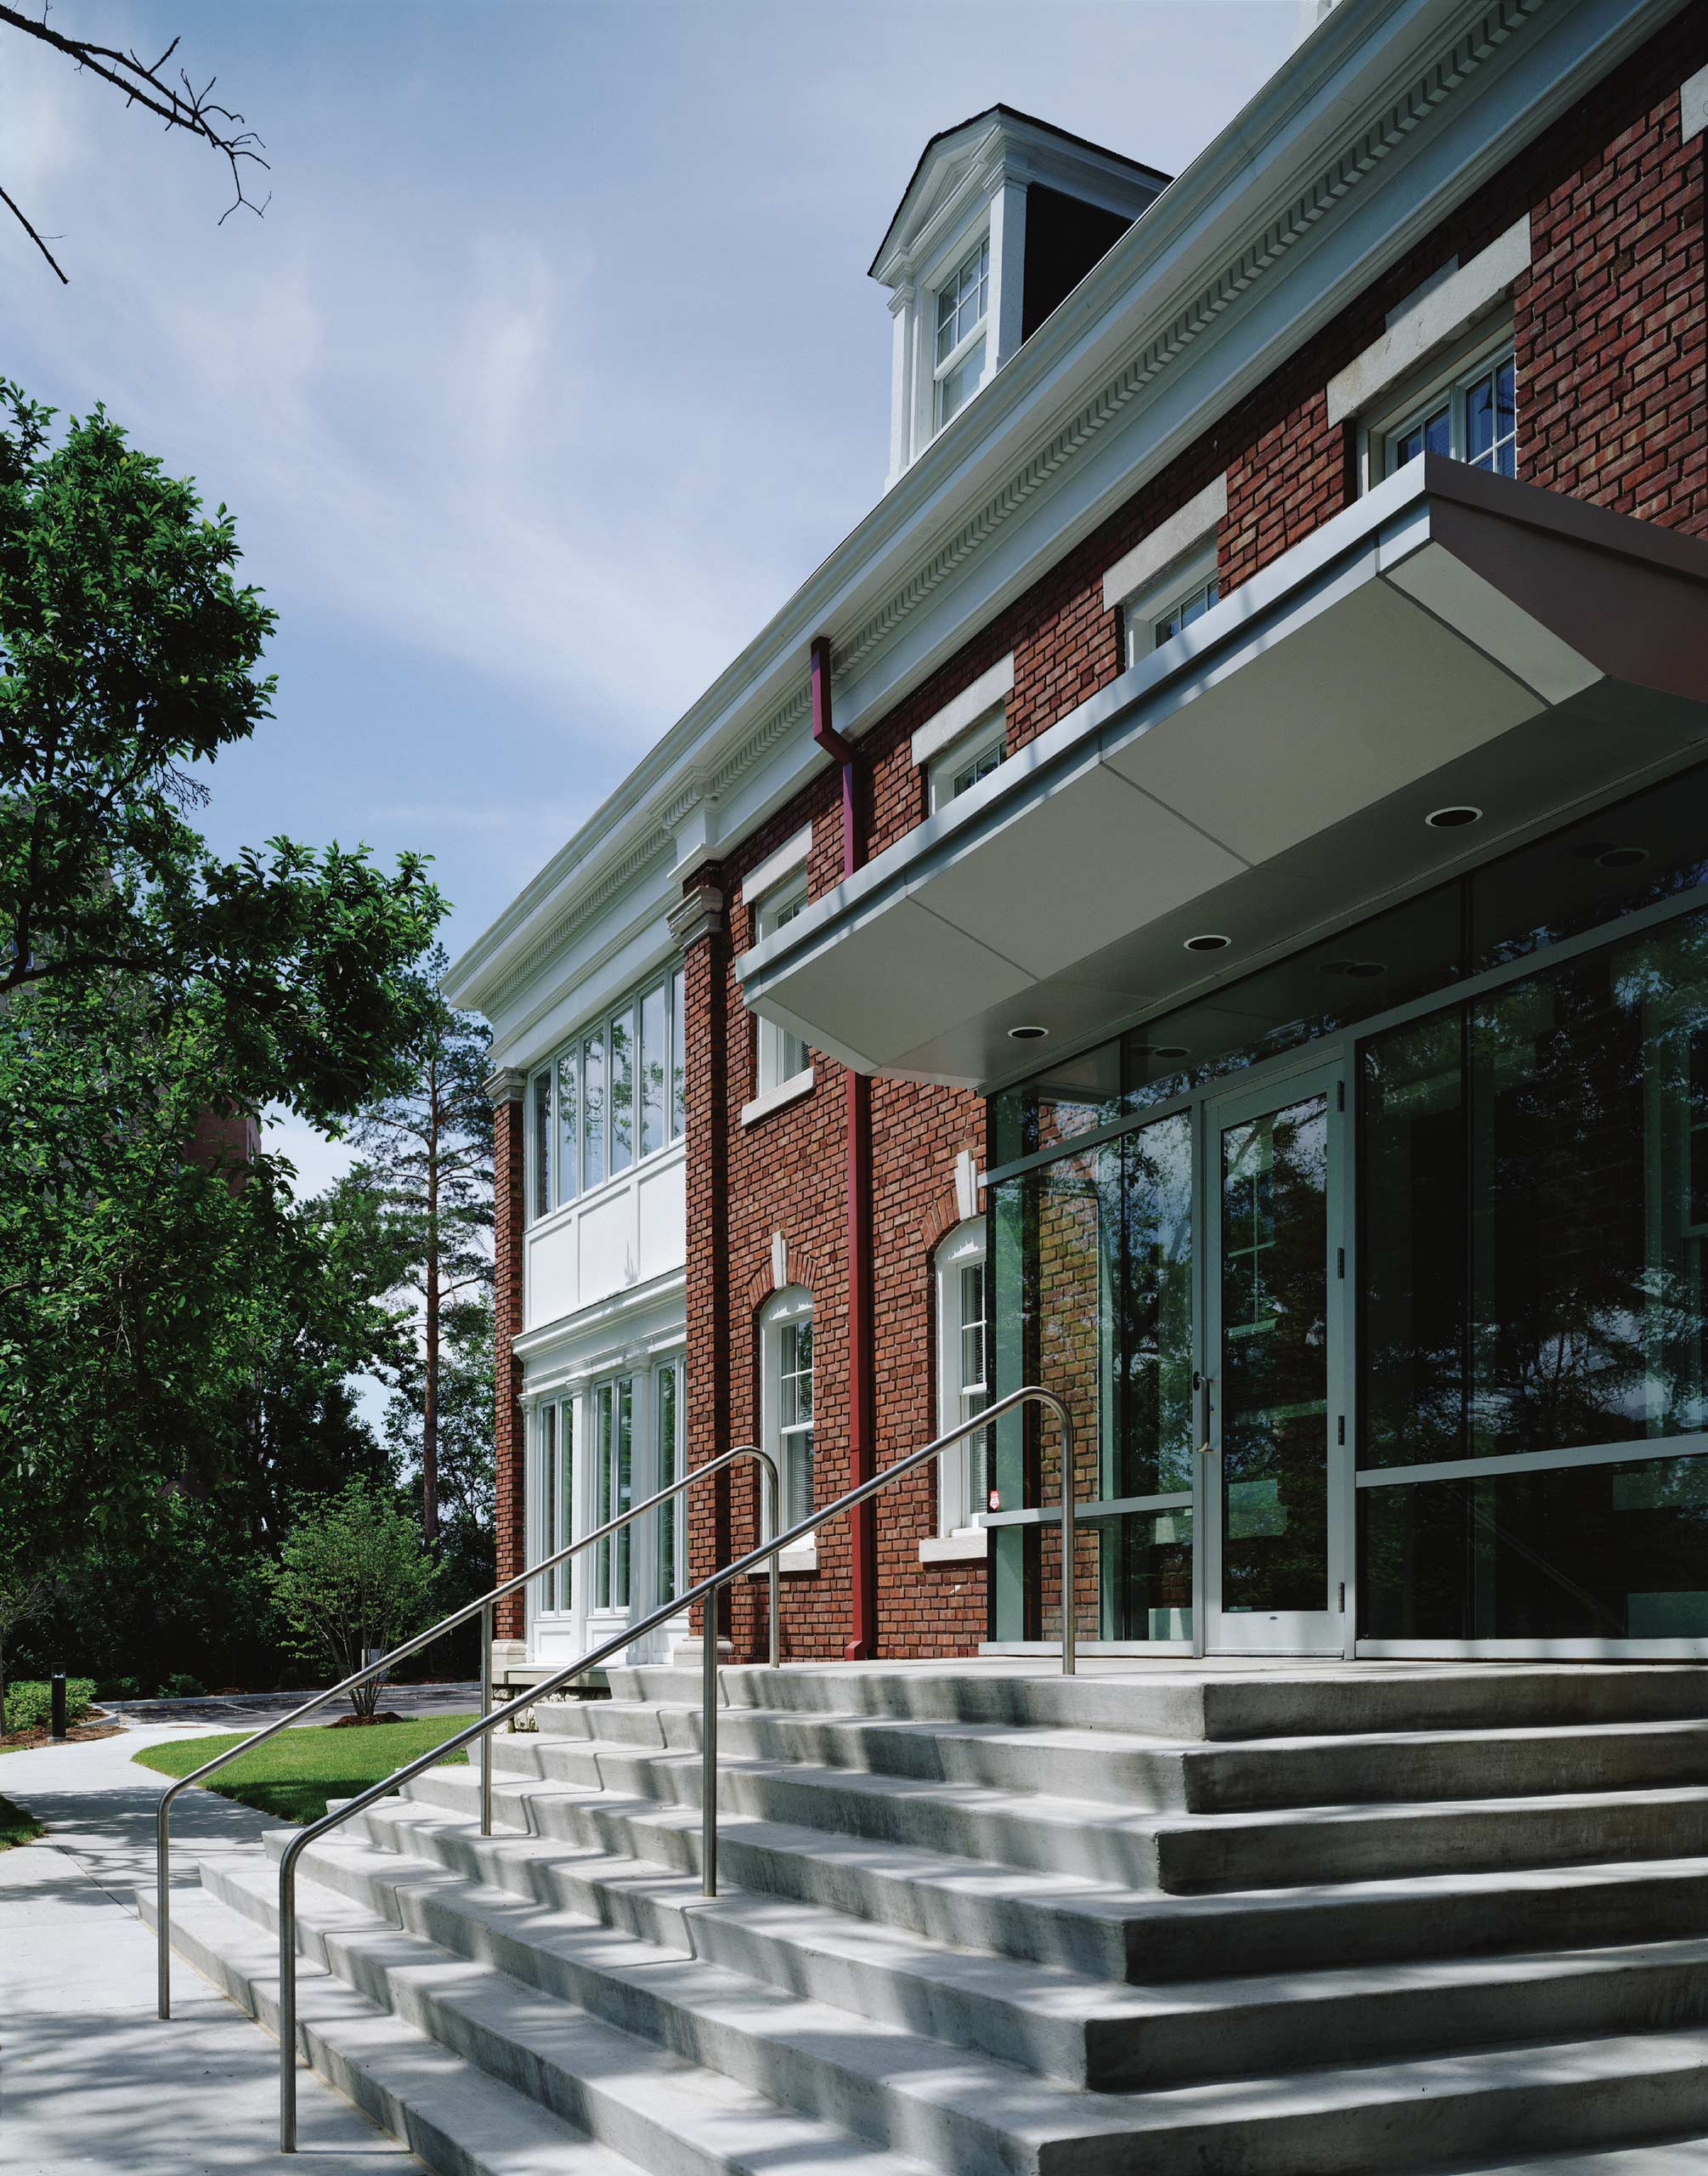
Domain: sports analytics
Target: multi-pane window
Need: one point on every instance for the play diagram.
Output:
(618, 1093)
(613, 1449)
(786, 1352)
(667, 1469)
(1156, 613)
(963, 303)
(1473, 417)
(782, 1055)
(973, 756)
(964, 1388)
(555, 1434)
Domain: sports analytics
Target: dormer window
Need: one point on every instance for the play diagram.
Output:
(962, 306)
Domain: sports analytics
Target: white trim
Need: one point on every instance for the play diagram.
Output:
(1171, 540)
(1528, 1651)
(798, 1557)
(791, 855)
(968, 1546)
(792, 1304)
(1438, 314)
(773, 1099)
(957, 1519)
(962, 711)
(1645, 1451)
(1693, 105)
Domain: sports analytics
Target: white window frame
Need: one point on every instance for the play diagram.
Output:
(784, 1064)
(546, 1192)
(979, 248)
(670, 1520)
(1143, 608)
(988, 736)
(959, 1538)
(1448, 381)
(790, 1309)
(550, 1498)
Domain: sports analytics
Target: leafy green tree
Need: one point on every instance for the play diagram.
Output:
(427, 1172)
(145, 982)
(352, 1577)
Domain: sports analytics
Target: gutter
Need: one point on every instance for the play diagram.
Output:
(862, 1643)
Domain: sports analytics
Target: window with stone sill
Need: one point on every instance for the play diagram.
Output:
(786, 1416)
(1154, 614)
(1468, 411)
(963, 1379)
(781, 1055)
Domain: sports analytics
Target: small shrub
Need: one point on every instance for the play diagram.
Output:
(182, 1686)
(353, 1579)
(119, 1688)
(30, 1702)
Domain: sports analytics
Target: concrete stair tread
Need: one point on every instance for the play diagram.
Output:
(1666, 2157)
(700, 2112)
(1054, 1991)
(1022, 2116)
(445, 2109)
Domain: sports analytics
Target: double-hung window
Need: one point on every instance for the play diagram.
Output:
(973, 756)
(786, 1396)
(1154, 614)
(962, 1382)
(611, 1097)
(962, 307)
(1470, 414)
(783, 1056)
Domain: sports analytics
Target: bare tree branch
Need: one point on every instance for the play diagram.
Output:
(18, 215)
(179, 105)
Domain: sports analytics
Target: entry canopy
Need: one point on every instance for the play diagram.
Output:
(1454, 638)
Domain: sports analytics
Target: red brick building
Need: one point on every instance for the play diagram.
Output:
(1223, 938)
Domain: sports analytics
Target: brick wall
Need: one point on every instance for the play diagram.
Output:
(508, 1182)
(1609, 327)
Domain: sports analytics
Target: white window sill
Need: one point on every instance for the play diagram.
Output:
(773, 1099)
(803, 1556)
(968, 1546)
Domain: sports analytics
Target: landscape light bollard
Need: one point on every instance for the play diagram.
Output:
(58, 1701)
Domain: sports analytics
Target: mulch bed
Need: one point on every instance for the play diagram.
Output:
(359, 1722)
(78, 1731)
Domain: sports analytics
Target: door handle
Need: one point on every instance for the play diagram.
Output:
(1206, 1448)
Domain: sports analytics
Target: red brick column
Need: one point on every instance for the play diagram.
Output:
(699, 926)
(510, 1216)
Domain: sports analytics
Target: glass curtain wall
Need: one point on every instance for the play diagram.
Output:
(1531, 1193)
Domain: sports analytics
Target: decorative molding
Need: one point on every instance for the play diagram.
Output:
(659, 845)
(697, 913)
(506, 1085)
(1693, 104)
(779, 1261)
(967, 1184)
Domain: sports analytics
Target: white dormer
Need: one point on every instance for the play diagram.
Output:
(1002, 218)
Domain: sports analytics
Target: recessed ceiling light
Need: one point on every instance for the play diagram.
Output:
(1353, 969)
(1026, 1035)
(1208, 943)
(1622, 856)
(1160, 1049)
(1451, 819)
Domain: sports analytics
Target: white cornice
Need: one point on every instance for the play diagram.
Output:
(1358, 102)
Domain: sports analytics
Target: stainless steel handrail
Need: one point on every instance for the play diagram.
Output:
(707, 1591)
(484, 1605)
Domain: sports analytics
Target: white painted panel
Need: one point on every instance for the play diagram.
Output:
(551, 1278)
(608, 1249)
(663, 1219)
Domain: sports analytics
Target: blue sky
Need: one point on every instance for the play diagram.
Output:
(552, 368)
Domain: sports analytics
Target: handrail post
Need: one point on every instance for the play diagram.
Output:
(770, 1566)
(485, 1710)
(709, 1746)
(287, 2002)
(1069, 1490)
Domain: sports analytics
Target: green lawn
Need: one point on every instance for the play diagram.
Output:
(17, 1827)
(293, 1775)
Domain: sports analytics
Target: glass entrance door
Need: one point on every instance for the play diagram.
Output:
(1272, 1404)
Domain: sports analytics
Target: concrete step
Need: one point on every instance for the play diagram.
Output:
(1310, 1699)
(1166, 1774)
(1366, 2118)
(1144, 1848)
(1103, 1930)
(1674, 2157)
(455, 2119)
(1085, 2031)
(636, 2099)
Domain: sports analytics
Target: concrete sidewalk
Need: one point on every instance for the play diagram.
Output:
(91, 2081)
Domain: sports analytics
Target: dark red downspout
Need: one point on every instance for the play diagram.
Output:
(862, 1638)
